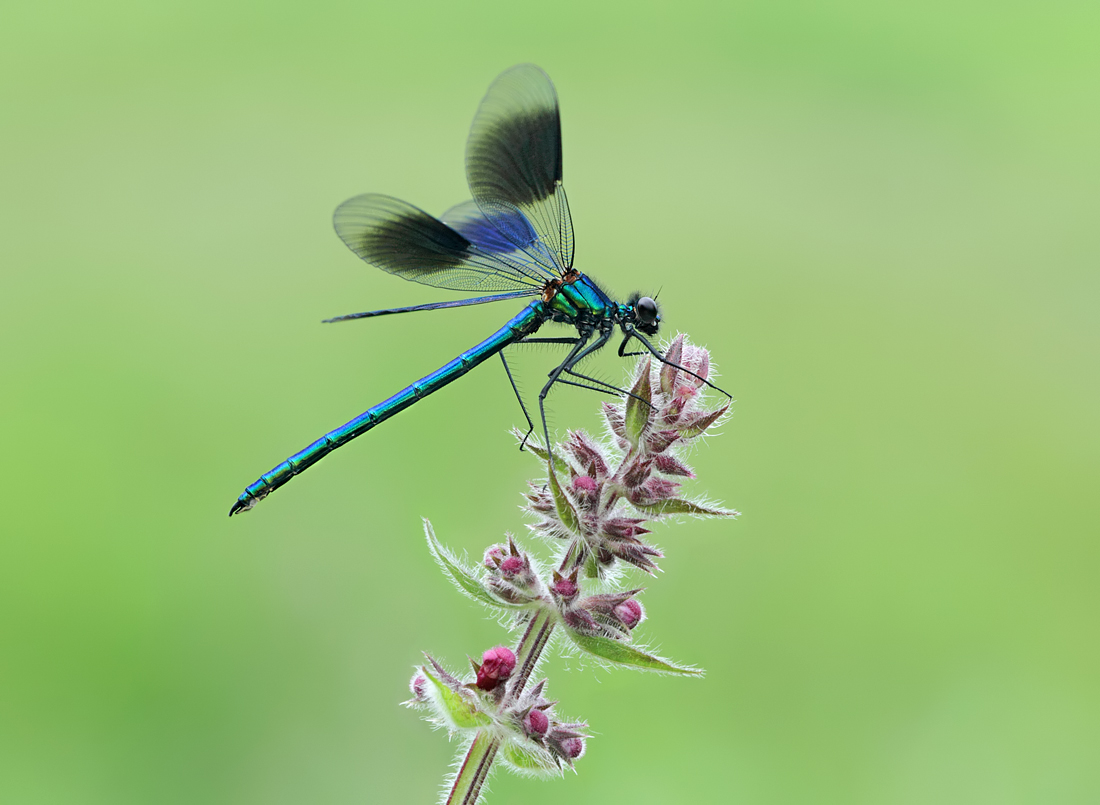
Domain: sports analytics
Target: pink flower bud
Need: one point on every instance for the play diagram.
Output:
(584, 484)
(497, 665)
(586, 491)
(669, 375)
(703, 369)
(493, 556)
(566, 741)
(573, 748)
(419, 687)
(511, 566)
(629, 613)
(565, 587)
(536, 723)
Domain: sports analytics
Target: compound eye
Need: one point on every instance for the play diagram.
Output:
(647, 310)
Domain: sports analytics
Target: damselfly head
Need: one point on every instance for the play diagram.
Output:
(647, 317)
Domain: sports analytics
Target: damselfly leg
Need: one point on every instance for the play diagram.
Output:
(653, 350)
(519, 399)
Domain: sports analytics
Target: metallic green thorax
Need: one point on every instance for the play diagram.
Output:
(581, 300)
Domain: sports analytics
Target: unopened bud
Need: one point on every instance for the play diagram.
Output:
(419, 687)
(583, 483)
(565, 587)
(586, 490)
(567, 741)
(511, 566)
(703, 369)
(629, 613)
(536, 723)
(573, 748)
(497, 665)
(493, 556)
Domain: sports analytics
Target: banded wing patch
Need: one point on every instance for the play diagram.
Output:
(404, 240)
(514, 165)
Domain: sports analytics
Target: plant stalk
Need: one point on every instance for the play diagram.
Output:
(479, 757)
(475, 770)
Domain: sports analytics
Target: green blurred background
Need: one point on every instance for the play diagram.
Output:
(880, 217)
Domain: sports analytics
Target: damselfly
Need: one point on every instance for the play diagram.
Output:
(513, 240)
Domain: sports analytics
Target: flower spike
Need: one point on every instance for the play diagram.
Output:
(594, 507)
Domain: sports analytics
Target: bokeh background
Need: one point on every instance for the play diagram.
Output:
(881, 218)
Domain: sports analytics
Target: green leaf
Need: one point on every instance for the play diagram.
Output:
(466, 579)
(560, 464)
(530, 760)
(638, 407)
(462, 712)
(623, 654)
(566, 513)
(682, 506)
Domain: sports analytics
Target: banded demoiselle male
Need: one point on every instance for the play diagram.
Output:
(514, 240)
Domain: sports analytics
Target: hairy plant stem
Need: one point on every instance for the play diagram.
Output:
(475, 769)
(479, 757)
(530, 648)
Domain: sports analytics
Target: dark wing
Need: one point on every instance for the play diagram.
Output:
(404, 240)
(513, 165)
